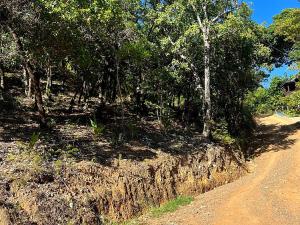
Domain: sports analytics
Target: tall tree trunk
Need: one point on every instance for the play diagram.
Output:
(207, 96)
(35, 79)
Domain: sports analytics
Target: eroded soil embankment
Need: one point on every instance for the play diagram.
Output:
(87, 190)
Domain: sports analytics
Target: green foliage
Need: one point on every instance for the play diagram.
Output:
(71, 151)
(171, 206)
(149, 55)
(220, 134)
(33, 140)
(266, 101)
(292, 103)
(29, 146)
(98, 128)
(287, 25)
(117, 138)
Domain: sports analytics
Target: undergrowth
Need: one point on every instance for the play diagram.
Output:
(171, 206)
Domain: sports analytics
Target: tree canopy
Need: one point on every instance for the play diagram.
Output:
(191, 61)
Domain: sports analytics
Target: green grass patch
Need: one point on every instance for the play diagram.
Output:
(129, 222)
(171, 206)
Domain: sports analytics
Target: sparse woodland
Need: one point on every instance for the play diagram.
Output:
(185, 60)
(87, 87)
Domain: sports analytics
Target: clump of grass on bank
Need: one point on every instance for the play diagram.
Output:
(171, 206)
(156, 212)
(128, 222)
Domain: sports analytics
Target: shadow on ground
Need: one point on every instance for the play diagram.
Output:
(273, 137)
(141, 139)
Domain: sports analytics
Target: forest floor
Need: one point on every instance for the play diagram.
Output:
(82, 173)
(268, 195)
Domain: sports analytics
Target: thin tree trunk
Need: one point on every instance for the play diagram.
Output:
(49, 82)
(1, 83)
(1, 78)
(29, 90)
(207, 97)
(25, 80)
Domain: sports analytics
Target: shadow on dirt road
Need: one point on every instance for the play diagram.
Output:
(273, 137)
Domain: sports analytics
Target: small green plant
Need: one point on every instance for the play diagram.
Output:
(128, 222)
(97, 128)
(58, 166)
(171, 206)
(33, 140)
(71, 151)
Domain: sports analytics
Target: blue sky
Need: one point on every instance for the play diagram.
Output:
(263, 12)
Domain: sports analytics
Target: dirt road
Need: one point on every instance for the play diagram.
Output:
(270, 194)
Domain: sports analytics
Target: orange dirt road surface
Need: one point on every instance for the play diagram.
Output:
(270, 194)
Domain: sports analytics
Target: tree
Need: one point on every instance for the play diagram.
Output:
(287, 25)
(208, 13)
(189, 60)
(17, 16)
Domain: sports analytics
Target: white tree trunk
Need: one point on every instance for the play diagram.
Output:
(207, 96)
(29, 90)
(49, 81)
(25, 80)
(1, 78)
